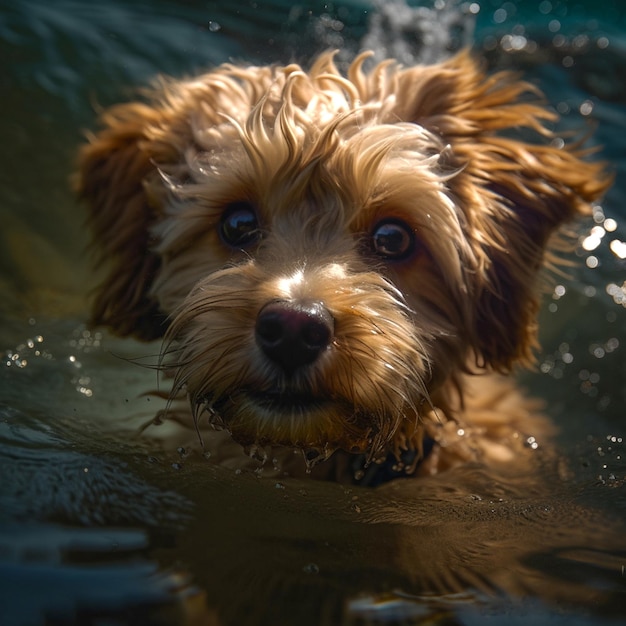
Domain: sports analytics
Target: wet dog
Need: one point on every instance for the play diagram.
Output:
(348, 265)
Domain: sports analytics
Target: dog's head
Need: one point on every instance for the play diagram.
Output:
(324, 252)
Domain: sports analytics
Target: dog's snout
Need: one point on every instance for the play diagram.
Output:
(294, 334)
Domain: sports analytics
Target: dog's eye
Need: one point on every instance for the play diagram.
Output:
(393, 239)
(239, 226)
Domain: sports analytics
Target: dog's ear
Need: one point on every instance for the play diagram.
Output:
(516, 185)
(111, 178)
(518, 235)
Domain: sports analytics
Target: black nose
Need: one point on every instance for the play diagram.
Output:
(293, 334)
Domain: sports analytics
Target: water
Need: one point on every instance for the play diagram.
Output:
(99, 524)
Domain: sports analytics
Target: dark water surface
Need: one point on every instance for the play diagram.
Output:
(100, 526)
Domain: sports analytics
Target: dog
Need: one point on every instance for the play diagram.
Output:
(348, 265)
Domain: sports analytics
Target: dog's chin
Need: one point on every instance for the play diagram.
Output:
(316, 424)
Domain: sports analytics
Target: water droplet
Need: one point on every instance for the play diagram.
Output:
(499, 16)
(532, 443)
(545, 7)
(311, 568)
(618, 248)
(554, 26)
(563, 108)
(594, 239)
(313, 456)
(603, 42)
(586, 108)
(257, 452)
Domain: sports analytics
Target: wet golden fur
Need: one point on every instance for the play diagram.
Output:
(420, 345)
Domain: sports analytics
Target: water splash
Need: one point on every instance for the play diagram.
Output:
(419, 34)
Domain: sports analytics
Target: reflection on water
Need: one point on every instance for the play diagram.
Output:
(98, 523)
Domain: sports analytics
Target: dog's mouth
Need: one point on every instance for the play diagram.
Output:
(316, 423)
(287, 402)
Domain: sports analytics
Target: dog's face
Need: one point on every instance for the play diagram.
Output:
(324, 254)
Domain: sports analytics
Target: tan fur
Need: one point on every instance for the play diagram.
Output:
(465, 159)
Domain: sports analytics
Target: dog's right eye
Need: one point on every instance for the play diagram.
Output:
(393, 239)
(239, 226)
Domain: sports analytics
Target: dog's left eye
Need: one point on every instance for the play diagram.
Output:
(393, 239)
(239, 226)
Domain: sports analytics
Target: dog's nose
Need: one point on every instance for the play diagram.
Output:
(293, 334)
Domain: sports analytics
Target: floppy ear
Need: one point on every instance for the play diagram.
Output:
(516, 186)
(525, 209)
(111, 177)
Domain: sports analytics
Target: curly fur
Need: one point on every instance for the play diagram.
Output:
(467, 160)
